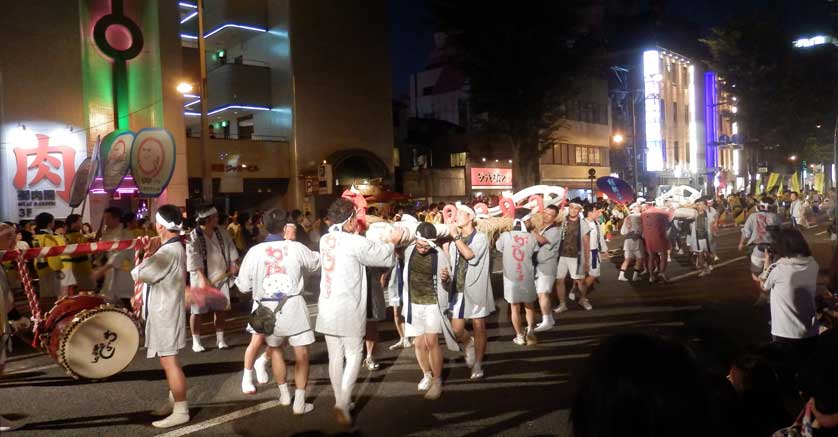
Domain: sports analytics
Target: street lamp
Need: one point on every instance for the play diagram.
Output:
(618, 138)
(792, 158)
(184, 87)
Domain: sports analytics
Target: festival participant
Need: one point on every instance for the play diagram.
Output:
(395, 288)
(633, 249)
(10, 319)
(797, 210)
(518, 247)
(702, 231)
(547, 259)
(599, 247)
(78, 269)
(164, 271)
(655, 222)
(757, 233)
(211, 260)
(49, 269)
(427, 278)
(118, 285)
(574, 245)
(273, 272)
(342, 304)
(471, 295)
(278, 230)
(376, 311)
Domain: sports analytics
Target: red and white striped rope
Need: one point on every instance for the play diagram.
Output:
(71, 249)
(34, 307)
(137, 299)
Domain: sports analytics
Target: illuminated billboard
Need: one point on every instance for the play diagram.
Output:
(652, 103)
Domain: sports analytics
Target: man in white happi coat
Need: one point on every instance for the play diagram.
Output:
(164, 274)
(633, 249)
(518, 247)
(599, 247)
(574, 244)
(342, 304)
(757, 233)
(211, 261)
(118, 285)
(273, 272)
(426, 278)
(471, 291)
(547, 262)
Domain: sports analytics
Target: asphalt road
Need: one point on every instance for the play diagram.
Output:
(527, 390)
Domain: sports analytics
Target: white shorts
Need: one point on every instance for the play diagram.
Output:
(594, 271)
(302, 339)
(470, 310)
(633, 249)
(757, 260)
(568, 265)
(544, 283)
(701, 246)
(425, 319)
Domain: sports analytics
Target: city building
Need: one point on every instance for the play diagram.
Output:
(439, 92)
(60, 91)
(293, 87)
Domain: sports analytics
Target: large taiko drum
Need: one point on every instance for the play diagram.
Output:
(90, 338)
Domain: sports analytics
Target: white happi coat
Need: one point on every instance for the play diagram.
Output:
(164, 275)
(598, 244)
(342, 305)
(632, 225)
(692, 239)
(548, 254)
(478, 300)
(518, 248)
(215, 262)
(275, 268)
(441, 295)
(756, 227)
(118, 283)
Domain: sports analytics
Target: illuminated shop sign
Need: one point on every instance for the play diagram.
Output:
(491, 178)
(652, 94)
(38, 162)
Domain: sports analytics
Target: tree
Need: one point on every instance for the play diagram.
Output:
(521, 63)
(783, 93)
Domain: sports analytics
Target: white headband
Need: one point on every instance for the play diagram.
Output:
(466, 208)
(170, 226)
(338, 227)
(210, 212)
(430, 241)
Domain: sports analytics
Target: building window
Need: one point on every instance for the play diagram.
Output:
(686, 114)
(396, 157)
(675, 112)
(677, 153)
(427, 91)
(458, 159)
(548, 156)
(588, 155)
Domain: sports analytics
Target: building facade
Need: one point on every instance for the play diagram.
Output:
(60, 91)
(292, 86)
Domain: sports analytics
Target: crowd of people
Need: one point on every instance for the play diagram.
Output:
(436, 277)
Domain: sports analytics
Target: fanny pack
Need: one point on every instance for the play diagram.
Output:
(263, 319)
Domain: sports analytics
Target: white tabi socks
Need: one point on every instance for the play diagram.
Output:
(300, 405)
(179, 416)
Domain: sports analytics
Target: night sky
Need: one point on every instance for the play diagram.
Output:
(412, 28)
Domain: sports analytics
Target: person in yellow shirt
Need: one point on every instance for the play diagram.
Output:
(49, 269)
(78, 269)
(133, 226)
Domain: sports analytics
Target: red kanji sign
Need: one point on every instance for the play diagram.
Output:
(48, 164)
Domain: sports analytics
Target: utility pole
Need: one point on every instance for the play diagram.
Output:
(205, 152)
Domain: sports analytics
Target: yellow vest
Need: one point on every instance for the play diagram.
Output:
(54, 262)
(80, 264)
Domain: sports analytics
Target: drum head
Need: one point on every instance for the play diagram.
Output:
(99, 343)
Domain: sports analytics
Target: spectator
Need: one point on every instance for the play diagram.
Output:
(639, 385)
(791, 282)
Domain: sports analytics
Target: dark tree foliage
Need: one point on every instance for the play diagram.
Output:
(522, 63)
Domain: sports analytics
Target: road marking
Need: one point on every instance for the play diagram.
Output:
(821, 233)
(695, 272)
(235, 415)
(31, 369)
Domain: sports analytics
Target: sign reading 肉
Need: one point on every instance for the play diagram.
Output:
(81, 182)
(152, 160)
(491, 177)
(115, 157)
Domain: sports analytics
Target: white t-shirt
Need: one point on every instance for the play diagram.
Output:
(792, 284)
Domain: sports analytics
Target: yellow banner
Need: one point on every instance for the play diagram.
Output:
(819, 183)
(773, 182)
(795, 182)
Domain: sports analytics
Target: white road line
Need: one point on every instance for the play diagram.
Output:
(235, 415)
(821, 233)
(695, 272)
(31, 369)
